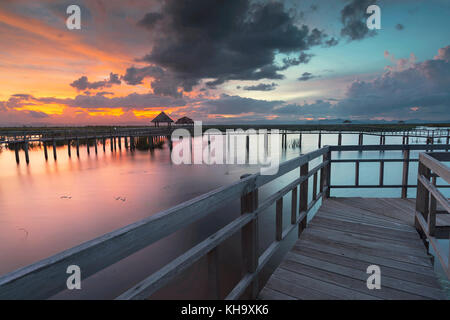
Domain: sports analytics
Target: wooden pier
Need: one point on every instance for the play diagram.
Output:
(346, 235)
(332, 252)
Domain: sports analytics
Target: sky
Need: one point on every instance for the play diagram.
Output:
(234, 61)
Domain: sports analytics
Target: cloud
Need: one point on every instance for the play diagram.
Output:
(407, 91)
(354, 17)
(306, 76)
(235, 105)
(83, 83)
(150, 19)
(227, 40)
(262, 87)
(399, 27)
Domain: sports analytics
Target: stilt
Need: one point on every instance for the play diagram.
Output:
(320, 140)
(87, 147)
(126, 142)
(45, 150)
(16, 151)
(78, 147)
(104, 144)
(340, 139)
(150, 142)
(95, 145)
(112, 144)
(119, 138)
(300, 138)
(54, 149)
(69, 152)
(115, 144)
(27, 158)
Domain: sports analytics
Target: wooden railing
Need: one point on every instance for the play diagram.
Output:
(47, 277)
(405, 160)
(428, 196)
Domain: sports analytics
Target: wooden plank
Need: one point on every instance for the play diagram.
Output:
(269, 294)
(321, 286)
(297, 291)
(426, 280)
(387, 282)
(367, 257)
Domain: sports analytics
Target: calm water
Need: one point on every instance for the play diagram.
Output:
(49, 206)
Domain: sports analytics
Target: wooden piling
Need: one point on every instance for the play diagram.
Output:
(45, 150)
(104, 144)
(95, 145)
(320, 140)
(16, 151)
(88, 147)
(27, 157)
(340, 139)
(119, 138)
(69, 152)
(78, 147)
(111, 143)
(54, 149)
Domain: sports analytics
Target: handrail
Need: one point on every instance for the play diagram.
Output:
(33, 281)
(427, 198)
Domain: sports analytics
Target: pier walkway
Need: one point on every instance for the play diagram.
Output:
(330, 259)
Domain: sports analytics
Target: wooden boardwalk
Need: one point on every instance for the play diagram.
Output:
(330, 259)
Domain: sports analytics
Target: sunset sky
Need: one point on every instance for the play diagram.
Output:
(223, 61)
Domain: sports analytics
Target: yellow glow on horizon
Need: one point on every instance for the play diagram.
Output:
(49, 109)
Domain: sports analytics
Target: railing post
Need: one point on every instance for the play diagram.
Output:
(279, 220)
(432, 211)
(249, 238)
(294, 205)
(422, 196)
(405, 173)
(213, 274)
(303, 204)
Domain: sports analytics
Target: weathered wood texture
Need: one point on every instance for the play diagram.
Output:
(330, 259)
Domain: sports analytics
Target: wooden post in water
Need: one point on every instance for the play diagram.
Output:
(320, 140)
(27, 158)
(16, 151)
(381, 139)
(87, 147)
(95, 145)
(126, 142)
(78, 147)
(249, 238)
(339, 138)
(300, 139)
(448, 139)
(405, 173)
(119, 138)
(45, 150)
(69, 152)
(111, 143)
(104, 144)
(54, 149)
(303, 201)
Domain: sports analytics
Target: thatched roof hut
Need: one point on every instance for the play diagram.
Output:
(185, 121)
(162, 118)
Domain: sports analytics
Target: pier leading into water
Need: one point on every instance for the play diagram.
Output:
(334, 247)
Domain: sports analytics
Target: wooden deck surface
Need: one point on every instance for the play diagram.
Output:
(330, 259)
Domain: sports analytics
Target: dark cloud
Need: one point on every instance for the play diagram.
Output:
(227, 104)
(399, 27)
(150, 19)
(331, 42)
(306, 76)
(226, 40)
(354, 17)
(37, 114)
(262, 87)
(303, 58)
(83, 83)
